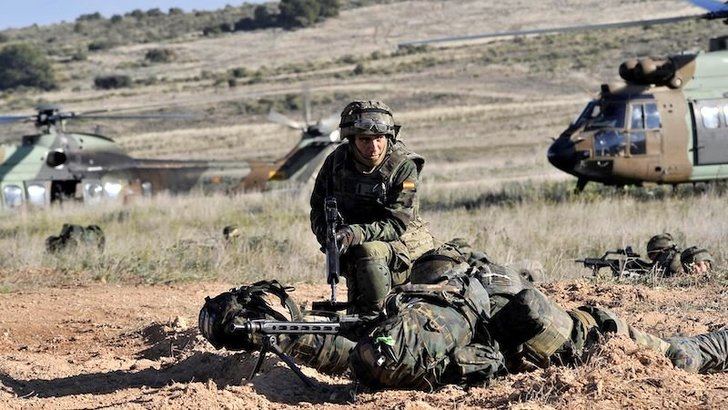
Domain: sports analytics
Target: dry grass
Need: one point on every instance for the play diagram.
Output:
(172, 239)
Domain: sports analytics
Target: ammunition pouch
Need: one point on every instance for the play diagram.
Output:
(477, 363)
(606, 320)
(532, 320)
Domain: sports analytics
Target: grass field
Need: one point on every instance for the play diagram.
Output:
(179, 239)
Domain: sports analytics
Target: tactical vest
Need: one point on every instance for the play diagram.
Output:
(362, 197)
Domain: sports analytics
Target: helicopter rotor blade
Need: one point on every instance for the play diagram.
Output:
(278, 118)
(329, 124)
(554, 30)
(6, 119)
(171, 116)
(710, 5)
(307, 105)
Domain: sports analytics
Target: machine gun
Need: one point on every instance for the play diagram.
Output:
(629, 264)
(269, 330)
(333, 255)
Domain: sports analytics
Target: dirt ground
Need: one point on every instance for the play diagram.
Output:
(138, 347)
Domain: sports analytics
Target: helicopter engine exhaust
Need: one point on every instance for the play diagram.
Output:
(647, 71)
(56, 158)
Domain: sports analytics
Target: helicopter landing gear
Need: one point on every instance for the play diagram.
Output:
(580, 184)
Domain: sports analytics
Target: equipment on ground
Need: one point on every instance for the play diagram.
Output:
(628, 264)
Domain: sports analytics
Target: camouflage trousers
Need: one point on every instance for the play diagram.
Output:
(424, 346)
(373, 268)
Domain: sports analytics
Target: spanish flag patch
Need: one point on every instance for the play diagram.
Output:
(408, 184)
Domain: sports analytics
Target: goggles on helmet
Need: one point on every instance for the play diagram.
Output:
(367, 124)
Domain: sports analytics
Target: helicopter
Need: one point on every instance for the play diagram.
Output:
(55, 165)
(667, 123)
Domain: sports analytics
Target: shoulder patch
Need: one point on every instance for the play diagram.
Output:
(408, 184)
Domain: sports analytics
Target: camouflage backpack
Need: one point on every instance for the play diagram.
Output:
(73, 236)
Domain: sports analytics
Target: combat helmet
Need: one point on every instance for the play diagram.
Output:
(239, 305)
(433, 264)
(659, 243)
(693, 254)
(368, 118)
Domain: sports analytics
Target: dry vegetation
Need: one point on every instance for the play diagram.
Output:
(482, 115)
(179, 239)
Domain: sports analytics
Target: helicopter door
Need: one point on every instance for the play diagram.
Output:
(38, 193)
(93, 191)
(710, 145)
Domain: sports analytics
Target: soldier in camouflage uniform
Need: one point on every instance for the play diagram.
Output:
(374, 179)
(668, 260)
(465, 319)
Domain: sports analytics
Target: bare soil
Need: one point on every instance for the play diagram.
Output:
(138, 347)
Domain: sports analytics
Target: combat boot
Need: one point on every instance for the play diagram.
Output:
(706, 353)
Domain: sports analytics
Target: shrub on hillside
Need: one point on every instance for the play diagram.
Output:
(160, 55)
(108, 82)
(299, 13)
(24, 65)
(99, 45)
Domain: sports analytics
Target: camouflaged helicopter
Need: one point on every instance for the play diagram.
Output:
(666, 124)
(56, 165)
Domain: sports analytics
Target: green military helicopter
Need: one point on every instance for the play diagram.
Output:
(667, 123)
(55, 165)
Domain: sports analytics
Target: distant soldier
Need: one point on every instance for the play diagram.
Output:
(696, 260)
(374, 179)
(669, 260)
(664, 254)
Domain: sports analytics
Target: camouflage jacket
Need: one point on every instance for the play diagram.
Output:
(668, 263)
(378, 206)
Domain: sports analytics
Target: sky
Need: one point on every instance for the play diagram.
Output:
(21, 13)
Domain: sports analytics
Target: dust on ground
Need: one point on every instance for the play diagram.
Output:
(138, 347)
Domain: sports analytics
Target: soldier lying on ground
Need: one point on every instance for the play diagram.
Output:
(463, 319)
(668, 260)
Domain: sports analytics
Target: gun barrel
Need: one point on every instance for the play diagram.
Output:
(268, 327)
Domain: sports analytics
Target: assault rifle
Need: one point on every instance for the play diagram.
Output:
(629, 264)
(333, 255)
(269, 330)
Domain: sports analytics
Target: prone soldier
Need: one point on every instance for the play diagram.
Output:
(668, 260)
(463, 319)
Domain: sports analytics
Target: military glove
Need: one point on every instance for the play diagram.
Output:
(345, 237)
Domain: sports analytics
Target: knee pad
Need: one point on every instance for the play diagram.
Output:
(373, 282)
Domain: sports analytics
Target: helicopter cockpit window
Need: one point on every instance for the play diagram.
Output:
(590, 111)
(609, 143)
(12, 196)
(637, 143)
(638, 117)
(607, 115)
(710, 117)
(652, 117)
